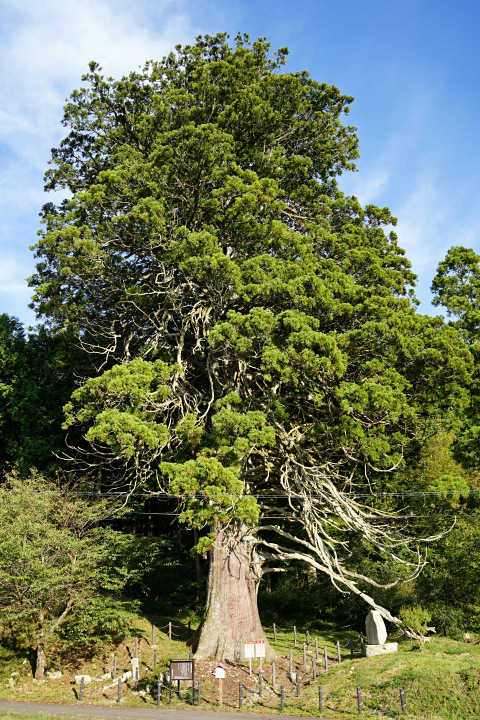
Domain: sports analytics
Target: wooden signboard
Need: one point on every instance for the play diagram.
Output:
(181, 669)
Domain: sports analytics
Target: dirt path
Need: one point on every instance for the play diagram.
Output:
(130, 713)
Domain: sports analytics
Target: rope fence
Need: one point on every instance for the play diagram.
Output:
(288, 683)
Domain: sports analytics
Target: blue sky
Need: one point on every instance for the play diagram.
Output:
(412, 67)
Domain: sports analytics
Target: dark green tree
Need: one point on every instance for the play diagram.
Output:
(258, 350)
(456, 287)
(36, 379)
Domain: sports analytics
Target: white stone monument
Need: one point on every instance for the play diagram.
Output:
(377, 636)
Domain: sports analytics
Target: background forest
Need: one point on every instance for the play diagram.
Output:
(216, 316)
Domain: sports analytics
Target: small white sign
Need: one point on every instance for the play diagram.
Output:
(249, 649)
(220, 672)
(259, 648)
(134, 667)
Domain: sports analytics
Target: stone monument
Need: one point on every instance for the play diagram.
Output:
(377, 636)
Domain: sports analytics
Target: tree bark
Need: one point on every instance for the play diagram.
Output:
(231, 616)
(41, 649)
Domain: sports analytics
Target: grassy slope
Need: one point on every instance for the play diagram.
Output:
(442, 682)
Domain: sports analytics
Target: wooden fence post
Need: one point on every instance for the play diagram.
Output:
(359, 701)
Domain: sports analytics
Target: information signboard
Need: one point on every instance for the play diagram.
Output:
(250, 649)
(181, 670)
(259, 648)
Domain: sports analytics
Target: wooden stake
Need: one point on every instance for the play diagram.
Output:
(359, 701)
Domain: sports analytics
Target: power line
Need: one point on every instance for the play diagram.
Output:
(203, 496)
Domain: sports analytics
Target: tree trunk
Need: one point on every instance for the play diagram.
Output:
(231, 616)
(41, 647)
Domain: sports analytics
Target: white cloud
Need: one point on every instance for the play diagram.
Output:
(46, 50)
(49, 49)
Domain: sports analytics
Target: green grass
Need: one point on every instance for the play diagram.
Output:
(441, 682)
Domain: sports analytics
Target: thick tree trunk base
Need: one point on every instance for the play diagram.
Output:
(231, 617)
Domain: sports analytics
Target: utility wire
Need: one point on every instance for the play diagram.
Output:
(203, 496)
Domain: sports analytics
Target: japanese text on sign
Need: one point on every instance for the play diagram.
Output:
(181, 670)
(249, 649)
(259, 648)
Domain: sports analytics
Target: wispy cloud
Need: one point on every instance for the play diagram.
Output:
(44, 50)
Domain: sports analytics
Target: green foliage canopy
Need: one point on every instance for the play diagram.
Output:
(256, 328)
(58, 560)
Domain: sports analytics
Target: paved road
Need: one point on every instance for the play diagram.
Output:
(131, 713)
